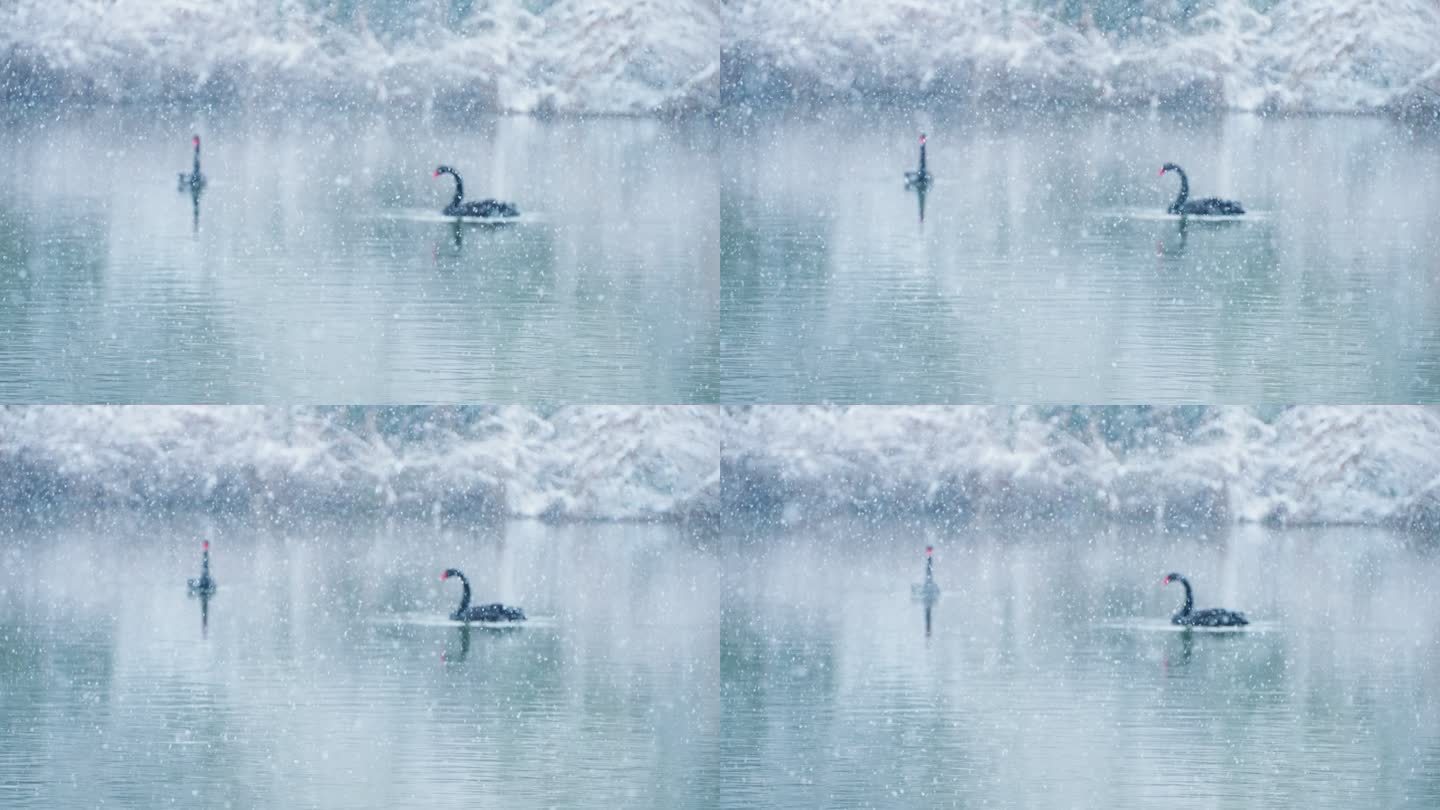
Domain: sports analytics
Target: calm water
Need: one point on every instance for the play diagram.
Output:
(1045, 270)
(325, 675)
(1050, 677)
(316, 267)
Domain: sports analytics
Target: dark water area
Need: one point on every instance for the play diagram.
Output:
(1045, 268)
(324, 671)
(315, 266)
(1047, 672)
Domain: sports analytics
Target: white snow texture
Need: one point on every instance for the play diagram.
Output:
(1183, 466)
(576, 463)
(636, 56)
(1294, 55)
(647, 56)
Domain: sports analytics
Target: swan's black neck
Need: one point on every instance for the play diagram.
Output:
(205, 565)
(929, 569)
(459, 193)
(922, 160)
(464, 583)
(1189, 597)
(1175, 209)
(197, 159)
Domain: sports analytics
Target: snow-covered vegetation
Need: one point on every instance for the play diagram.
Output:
(1287, 55)
(1176, 466)
(652, 56)
(576, 463)
(568, 55)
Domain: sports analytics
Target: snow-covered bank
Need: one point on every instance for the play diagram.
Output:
(1179, 466)
(575, 56)
(1287, 55)
(652, 56)
(581, 463)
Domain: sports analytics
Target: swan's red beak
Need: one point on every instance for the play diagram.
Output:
(922, 139)
(205, 545)
(435, 174)
(1162, 172)
(929, 550)
(444, 576)
(1165, 581)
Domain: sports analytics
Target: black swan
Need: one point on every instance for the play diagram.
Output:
(1211, 206)
(194, 180)
(205, 585)
(920, 179)
(458, 207)
(494, 612)
(928, 590)
(1210, 617)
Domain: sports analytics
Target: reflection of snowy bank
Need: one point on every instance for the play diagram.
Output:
(1179, 466)
(582, 463)
(1313, 55)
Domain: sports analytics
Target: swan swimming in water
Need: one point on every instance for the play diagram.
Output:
(205, 585)
(921, 178)
(928, 590)
(1207, 206)
(458, 207)
(1187, 616)
(194, 181)
(494, 612)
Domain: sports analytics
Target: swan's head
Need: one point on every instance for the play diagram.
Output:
(451, 572)
(1169, 578)
(922, 139)
(929, 551)
(1168, 167)
(205, 546)
(439, 170)
(195, 139)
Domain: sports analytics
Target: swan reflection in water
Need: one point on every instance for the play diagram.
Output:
(447, 658)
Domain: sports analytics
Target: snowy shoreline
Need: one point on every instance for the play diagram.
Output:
(666, 57)
(569, 464)
(1176, 466)
(1180, 466)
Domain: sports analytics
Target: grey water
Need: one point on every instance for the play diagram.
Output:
(1045, 268)
(1047, 673)
(315, 266)
(324, 672)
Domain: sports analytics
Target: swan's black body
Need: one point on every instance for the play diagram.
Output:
(928, 590)
(1207, 206)
(488, 209)
(919, 179)
(494, 612)
(194, 181)
(1187, 616)
(205, 585)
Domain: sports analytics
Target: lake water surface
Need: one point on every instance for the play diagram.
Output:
(1045, 268)
(324, 672)
(1049, 676)
(315, 267)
